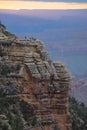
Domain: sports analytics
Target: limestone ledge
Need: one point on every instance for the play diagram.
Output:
(27, 72)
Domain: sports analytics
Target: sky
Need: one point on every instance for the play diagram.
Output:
(43, 4)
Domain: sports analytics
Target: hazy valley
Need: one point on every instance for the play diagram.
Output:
(63, 32)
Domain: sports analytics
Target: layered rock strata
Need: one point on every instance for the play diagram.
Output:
(34, 78)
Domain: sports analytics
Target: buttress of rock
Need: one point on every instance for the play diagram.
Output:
(37, 80)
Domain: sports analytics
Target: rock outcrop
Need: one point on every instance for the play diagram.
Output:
(27, 72)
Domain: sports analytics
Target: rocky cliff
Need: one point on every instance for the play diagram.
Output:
(28, 75)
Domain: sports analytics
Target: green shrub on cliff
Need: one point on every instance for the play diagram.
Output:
(16, 113)
(78, 113)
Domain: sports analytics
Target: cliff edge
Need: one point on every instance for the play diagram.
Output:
(28, 76)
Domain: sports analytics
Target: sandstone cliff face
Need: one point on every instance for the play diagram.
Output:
(27, 72)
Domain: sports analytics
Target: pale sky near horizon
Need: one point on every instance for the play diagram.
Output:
(43, 4)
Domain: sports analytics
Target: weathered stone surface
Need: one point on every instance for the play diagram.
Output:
(32, 77)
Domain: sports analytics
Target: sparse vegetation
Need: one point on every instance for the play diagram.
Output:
(9, 34)
(16, 122)
(78, 114)
(28, 113)
(2, 53)
(3, 125)
(7, 69)
(16, 111)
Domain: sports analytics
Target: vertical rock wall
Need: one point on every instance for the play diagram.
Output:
(42, 83)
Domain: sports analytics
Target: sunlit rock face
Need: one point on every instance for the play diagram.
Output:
(27, 72)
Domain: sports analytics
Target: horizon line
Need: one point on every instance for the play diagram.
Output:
(41, 5)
